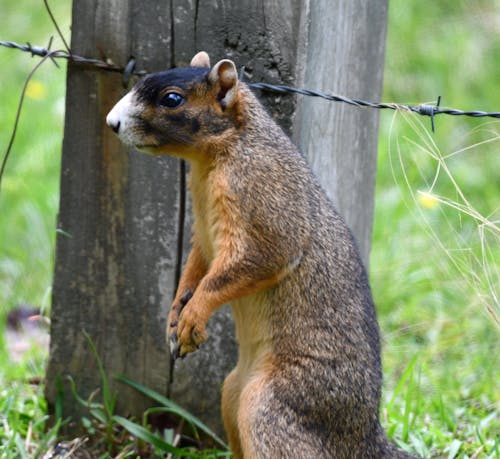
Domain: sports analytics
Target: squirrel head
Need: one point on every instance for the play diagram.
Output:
(181, 110)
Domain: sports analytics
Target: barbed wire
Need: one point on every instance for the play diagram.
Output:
(423, 109)
(129, 69)
(61, 54)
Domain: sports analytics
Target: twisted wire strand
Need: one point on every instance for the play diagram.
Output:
(42, 52)
(423, 109)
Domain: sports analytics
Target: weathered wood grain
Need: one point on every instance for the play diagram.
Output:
(343, 52)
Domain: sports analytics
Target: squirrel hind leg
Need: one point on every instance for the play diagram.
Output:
(268, 429)
(230, 406)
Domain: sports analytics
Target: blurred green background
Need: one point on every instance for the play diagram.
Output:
(434, 268)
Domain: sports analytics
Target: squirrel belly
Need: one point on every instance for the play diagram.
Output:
(267, 240)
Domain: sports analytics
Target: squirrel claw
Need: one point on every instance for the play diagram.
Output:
(174, 347)
(184, 350)
(177, 351)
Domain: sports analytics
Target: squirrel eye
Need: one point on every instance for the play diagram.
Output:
(171, 100)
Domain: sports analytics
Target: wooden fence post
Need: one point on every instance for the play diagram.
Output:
(121, 217)
(117, 253)
(343, 51)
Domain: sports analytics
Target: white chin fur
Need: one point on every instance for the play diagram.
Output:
(121, 118)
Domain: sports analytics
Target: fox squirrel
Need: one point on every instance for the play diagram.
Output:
(267, 240)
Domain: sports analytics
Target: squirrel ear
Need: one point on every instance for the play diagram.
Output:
(225, 75)
(200, 60)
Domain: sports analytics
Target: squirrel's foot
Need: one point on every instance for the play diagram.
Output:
(191, 331)
(173, 321)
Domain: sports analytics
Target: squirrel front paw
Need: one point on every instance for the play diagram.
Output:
(191, 331)
(173, 322)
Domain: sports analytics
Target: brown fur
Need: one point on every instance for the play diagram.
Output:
(267, 240)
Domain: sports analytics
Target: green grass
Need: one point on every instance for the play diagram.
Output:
(429, 280)
(28, 207)
(434, 270)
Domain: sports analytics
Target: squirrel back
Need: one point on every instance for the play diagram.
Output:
(267, 240)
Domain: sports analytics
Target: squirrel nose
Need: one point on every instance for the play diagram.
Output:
(113, 122)
(115, 127)
(117, 117)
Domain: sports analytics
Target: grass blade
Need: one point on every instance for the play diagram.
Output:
(454, 449)
(173, 407)
(79, 399)
(144, 434)
(109, 400)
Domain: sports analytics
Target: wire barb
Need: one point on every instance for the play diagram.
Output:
(127, 72)
(430, 110)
